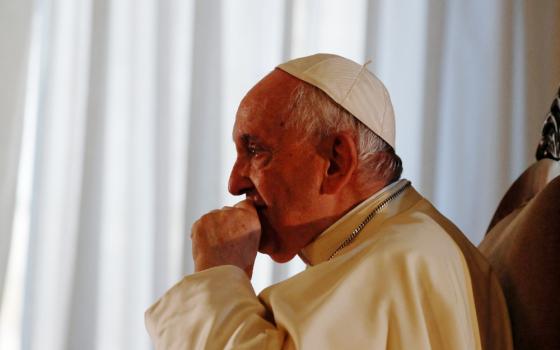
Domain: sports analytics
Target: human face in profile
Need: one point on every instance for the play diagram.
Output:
(277, 168)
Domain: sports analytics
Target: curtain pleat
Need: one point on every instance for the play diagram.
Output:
(15, 36)
(83, 313)
(204, 151)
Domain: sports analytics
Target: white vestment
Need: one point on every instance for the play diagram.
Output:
(409, 280)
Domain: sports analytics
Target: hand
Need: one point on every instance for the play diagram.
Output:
(228, 236)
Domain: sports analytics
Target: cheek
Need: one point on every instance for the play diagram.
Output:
(293, 187)
(289, 178)
(275, 187)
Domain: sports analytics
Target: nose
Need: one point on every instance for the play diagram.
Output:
(239, 182)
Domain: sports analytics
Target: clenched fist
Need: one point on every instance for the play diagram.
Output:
(228, 236)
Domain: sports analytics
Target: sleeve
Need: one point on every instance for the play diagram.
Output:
(212, 309)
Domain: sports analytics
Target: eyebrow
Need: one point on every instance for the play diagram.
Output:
(247, 138)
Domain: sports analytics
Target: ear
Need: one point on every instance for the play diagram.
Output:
(342, 160)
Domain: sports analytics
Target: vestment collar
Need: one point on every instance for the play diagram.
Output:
(327, 242)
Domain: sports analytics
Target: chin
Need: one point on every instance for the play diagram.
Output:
(281, 257)
(276, 254)
(271, 244)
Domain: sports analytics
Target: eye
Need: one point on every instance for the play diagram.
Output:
(253, 149)
(259, 154)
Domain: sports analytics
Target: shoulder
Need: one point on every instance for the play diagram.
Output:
(420, 232)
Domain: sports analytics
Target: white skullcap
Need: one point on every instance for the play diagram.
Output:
(350, 85)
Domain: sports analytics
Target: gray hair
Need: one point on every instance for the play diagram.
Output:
(315, 114)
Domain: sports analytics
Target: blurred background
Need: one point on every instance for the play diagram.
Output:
(116, 118)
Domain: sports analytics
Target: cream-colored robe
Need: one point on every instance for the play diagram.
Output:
(410, 280)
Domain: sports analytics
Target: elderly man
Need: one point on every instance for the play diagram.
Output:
(315, 146)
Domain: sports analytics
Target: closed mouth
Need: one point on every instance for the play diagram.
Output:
(257, 202)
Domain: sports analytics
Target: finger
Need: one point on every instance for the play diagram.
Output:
(246, 204)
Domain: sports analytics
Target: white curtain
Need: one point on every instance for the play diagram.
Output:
(116, 121)
(15, 33)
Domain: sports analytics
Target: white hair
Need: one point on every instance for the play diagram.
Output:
(316, 114)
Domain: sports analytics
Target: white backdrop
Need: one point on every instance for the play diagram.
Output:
(115, 132)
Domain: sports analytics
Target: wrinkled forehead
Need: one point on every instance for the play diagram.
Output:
(267, 104)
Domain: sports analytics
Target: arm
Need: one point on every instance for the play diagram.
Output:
(216, 308)
(213, 309)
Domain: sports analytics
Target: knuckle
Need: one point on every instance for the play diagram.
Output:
(197, 229)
